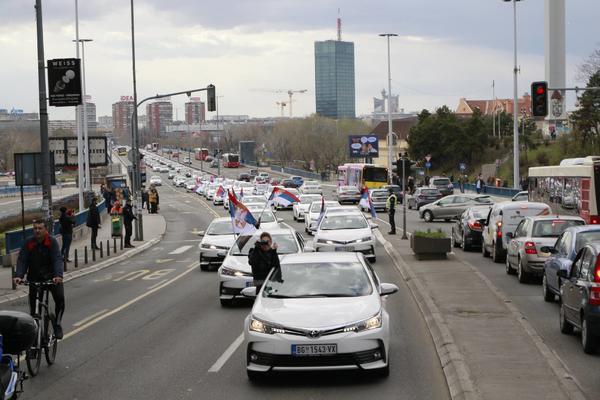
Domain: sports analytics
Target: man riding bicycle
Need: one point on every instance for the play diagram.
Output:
(40, 259)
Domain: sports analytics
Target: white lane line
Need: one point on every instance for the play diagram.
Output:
(180, 250)
(83, 321)
(157, 284)
(227, 354)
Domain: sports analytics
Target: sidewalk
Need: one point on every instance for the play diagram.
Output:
(487, 349)
(154, 229)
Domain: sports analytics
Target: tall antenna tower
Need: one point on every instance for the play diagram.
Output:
(339, 26)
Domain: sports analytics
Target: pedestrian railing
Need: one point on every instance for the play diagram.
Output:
(491, 190)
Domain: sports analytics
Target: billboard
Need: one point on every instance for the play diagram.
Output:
(64, 82)
(363, 146)
(29, 171)
(65, 151)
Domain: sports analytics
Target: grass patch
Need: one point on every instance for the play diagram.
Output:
(432, 235)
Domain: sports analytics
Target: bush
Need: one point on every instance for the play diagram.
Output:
(542, 158)
(432, 235)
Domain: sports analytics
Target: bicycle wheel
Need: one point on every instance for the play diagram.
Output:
(33, 355)
(50, 341)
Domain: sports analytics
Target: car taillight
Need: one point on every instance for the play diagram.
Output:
(474, 225)
(595, 219)
(530, 248)
(499, 229)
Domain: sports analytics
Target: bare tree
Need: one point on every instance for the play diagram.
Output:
(589, 67)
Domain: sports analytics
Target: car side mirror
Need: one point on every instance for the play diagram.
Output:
(387, 288)
(309, 248)
(279, 219)
(482, 221)
(249, 292)
(561, 273)
(510, 235)
(374, 226)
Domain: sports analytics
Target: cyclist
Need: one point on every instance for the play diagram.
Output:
(41, 261)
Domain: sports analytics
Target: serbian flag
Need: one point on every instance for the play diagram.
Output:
(365, 199)
(242, 219)
(371, 208)
(220, 192)
(322, 213)
(283, 197)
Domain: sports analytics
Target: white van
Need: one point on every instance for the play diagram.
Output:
(503, 218)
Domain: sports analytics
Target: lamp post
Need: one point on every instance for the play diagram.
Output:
(220, 150)
(389, 137)
(516, 175)
(80, 174)
(83, 120)
(135, 144)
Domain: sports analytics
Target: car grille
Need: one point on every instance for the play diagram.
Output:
(286, 360)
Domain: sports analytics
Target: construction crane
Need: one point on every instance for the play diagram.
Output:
(290, 93)
(282, 104)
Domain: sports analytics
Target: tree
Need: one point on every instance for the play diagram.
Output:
(589, 67)
(586, 119)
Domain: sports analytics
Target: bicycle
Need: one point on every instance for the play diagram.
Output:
(45, 340)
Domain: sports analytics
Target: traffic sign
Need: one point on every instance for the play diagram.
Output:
(427, 164)
(462, 166)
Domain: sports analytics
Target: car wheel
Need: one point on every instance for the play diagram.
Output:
(428, 216)
(522, 275)
(588, 340)
(484, 251)
(203, 267)
(295, 219)
(565, 326)
(454, 242)
(409, 205)
(509, 268)
(495, 255)
(464, 244)
(548, 295)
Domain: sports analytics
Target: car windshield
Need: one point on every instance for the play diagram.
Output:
(316, 207)
(380, 194)
(309, 199)
(332, 222)
(319, 279)
(441, 182)
(584, 238)
(552, 227)
(286, 244)
(265, 216)
(348, 189)
(483, 199)
(253, 199)
(220, 228)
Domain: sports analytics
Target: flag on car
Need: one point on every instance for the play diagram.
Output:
(242, 219)
(322, 210)
(372, 208)
(283, 197)
(365, 199)
(220, 192)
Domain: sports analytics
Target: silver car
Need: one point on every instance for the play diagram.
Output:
(216, 242)
(349, 194)
(524, 250)
(452, 206)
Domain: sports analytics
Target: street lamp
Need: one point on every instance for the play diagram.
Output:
(516, 175)
(389, 138)
(86, 150)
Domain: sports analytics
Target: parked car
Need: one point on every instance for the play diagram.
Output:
(291, 328)
(216, 241)
(562, 255)
(521, 196)
(450, 207)
(466, 230)
(443, 184)
(580, 297)
(524, 251)
(422, 196)
(502, 219)
(348, 194)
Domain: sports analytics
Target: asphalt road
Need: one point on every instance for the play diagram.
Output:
(152, 327)
(12, 205)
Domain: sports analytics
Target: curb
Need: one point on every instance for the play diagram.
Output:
(456, 371)
(94, 268)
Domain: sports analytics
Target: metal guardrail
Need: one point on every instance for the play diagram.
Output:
(11, 191)
(299, 172)
(491, 190)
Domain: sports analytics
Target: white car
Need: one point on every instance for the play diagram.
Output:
(280, 206)
(345, 230)
(156, 180)
(260, 188)
(311, 187)
(156, 168)
(301, 208)
(171, 175)
(319, 312)
(212, 189)
(254, 199)
(164, 169)
(179, 180)
(235, 273)
(267, 218)
(190, 185)
(216, 242)
(311, 217)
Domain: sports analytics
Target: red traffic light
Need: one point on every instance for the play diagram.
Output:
(540, 90)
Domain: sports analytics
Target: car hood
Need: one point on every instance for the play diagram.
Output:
(239, 263)
(343, 234)
(219, 240)
(332, 311)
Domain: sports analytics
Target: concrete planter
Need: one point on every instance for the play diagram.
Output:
(430, 248)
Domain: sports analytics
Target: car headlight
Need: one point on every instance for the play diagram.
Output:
(264, 327)
(365, 325)
(233, 272)
(365, 239)
(209, 246)
(325, 241)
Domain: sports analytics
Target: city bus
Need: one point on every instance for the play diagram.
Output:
(571, 188)
(201, 153)
(122, 150)
(360, 175)
(231, 160)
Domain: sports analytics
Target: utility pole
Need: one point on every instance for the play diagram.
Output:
(45, 145)
(389, 136)
(135, 145)
(81, 172)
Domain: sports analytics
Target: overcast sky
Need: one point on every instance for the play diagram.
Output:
(445, 49)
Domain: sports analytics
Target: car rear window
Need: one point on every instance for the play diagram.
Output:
(553, 227)
(584, 238)
(429, 192)
(440, 182)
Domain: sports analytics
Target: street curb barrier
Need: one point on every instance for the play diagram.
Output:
(456, 371)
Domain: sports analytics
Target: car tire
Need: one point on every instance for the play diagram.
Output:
(522, 275)
(295, 219)
(588, 340)
(428, 216)
(464, 244)
(565, 326)
(548, 295)
(509, 269)
(454, 242)
(484, 251)
(495, 256)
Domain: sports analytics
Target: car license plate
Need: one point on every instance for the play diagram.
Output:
(344, 248)
(313, 349)
(249, 283)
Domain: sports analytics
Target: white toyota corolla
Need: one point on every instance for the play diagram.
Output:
(301, 208)
(319, 312)
(216, 241)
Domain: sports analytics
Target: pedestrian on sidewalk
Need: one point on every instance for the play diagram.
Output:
(41, 261)
(479, 184)
(66, 222)
(262, 258)
(93, 222)
(128, 218)
(391, 204)
(145, 198)
(116, 209)
(153, 200)
(107, 199)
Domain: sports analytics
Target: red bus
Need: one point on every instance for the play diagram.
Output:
(231, 160)
(201, 154)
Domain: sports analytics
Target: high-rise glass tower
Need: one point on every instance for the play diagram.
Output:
(334, 79)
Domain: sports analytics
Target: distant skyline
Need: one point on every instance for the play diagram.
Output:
(445, 50)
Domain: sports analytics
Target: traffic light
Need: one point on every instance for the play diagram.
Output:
(539, 99)
(211, 98)
(407, 165)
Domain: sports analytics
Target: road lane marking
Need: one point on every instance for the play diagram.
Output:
(94, 321)
(158, 274)
(180, 250)
(83, 321)
(163, 260)
(157, 284)
(133, 275)
(227, 354)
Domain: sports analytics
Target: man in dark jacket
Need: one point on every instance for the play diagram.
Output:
(128, 218)
(66, 222)
(107, 194)
(93, 221)
(262, 257)
(41, 261)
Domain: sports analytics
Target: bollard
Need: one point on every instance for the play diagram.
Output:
(115, 245)
(76, 259)
(85, 255)
(101, 251)
(93, 254)
(121, 246)
(107, 248)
